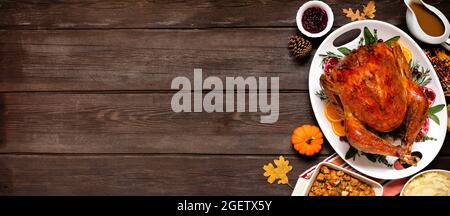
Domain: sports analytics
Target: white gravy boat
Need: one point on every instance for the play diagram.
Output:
(416, 30)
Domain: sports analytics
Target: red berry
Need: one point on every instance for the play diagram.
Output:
(429, 93)
(330, 63)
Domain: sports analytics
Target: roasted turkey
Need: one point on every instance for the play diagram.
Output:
(373, 90)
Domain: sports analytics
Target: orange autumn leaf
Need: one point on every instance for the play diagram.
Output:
(369, 10)
(279, 172)
(353, 15)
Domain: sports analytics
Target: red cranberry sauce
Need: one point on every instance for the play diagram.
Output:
(314, 19)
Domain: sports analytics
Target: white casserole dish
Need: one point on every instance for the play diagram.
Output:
(378, 189)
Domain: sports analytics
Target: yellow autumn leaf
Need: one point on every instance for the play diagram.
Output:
(279, 172)
(353, 15)
(270, 172)
(369, 10)
(283, 168)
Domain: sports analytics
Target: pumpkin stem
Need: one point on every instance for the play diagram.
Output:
(309, 140)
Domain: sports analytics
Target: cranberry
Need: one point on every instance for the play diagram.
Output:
(314, 19)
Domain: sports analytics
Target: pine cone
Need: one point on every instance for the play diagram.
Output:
(300, 47)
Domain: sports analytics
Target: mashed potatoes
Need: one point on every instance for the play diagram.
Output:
(432, 183)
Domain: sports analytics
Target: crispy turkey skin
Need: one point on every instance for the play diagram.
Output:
(373, 88)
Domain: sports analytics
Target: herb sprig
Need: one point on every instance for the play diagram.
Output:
(426, 138)
(330, 54)
(321, 94)
(369, 38)
(353, 152)
(433, 110)
(389, 41)
(419, 74)
(344, 50)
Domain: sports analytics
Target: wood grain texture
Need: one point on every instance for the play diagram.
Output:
(85, 95)
(71, 14)
(142, 123)
(142, 59)
(146, 175)
(140, 175)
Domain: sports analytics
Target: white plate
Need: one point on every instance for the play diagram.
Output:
(429, 149)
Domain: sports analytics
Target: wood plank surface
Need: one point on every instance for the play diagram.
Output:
(146, 175)
(143, 123)
(71, 14)
(142, 59)
(139, 175)
(85, 95)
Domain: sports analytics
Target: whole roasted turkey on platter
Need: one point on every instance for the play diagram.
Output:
(372, 88)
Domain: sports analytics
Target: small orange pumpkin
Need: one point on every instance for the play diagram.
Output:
(307, 139)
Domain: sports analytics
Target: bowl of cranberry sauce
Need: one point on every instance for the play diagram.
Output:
(315, 19)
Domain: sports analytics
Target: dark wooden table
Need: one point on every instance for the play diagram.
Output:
(85, 95)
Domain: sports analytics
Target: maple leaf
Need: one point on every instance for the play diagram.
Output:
(369, 10)
(353, 15)
(279, 172)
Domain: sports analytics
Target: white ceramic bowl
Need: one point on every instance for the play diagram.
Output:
(378, 189)
(310, 4)
(421, 173)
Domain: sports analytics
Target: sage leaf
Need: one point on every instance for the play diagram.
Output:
(371, 157)
(351, 153)
(368, 37)
(434, 118)
(375, 35)
(344, 50)
(436, 109)
(389, 41)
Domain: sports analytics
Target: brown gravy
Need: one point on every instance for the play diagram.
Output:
(428, 21)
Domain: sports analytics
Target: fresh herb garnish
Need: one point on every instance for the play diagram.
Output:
(321, 94)
(426, 138)
(368, 37)
(377, 158)
(375, 35)
(432, 112)
(436, 108)
(344, 50)
(389, 41)
(382, 159)
(371, 157)
(420, 75)
(330, 54)
(351, 153)
(361, 41)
